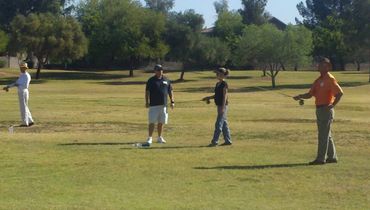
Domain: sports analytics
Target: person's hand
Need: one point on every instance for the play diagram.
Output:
(207, 99)
(172, 105)
(6, 89)
(298, 97)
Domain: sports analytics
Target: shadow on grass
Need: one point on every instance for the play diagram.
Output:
(79, 75)
(164, 148)
(255, 167)
(97, 144)
(124, 83)
(230, 77)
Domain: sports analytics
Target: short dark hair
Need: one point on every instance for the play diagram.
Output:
(158, 67)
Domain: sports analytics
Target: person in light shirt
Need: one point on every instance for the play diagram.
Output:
(23, 83)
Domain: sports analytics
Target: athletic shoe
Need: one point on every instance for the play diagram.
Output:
(226, 144)
(212, 145)
(161, 140)
(31, 124)
(149, 140)
(331, 161)
(316, 162)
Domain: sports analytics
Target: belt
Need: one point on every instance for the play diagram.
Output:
(322, 106)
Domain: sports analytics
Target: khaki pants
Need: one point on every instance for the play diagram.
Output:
(326, 147)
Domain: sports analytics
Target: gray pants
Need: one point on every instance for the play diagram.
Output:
(326, 147)
(221, 126)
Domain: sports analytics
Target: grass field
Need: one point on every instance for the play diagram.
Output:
(80, 155)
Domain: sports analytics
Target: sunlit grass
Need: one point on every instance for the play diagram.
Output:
(80, 155)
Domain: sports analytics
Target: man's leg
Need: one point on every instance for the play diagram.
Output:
(218, 126)
(160, 129)
(22, 108)
(324, 120)
(27, 110)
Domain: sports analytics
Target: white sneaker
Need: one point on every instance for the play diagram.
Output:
(149, 140)
(161, 140)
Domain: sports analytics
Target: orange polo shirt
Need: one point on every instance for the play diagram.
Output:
(324, 89)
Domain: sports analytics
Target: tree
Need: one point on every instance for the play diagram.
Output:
(182, 34)
(10, 8)
(221, 6)
(48, 36)
(229, 27)
(331, 24)
(163, 6)
(4, 39)
(209, 52)
(122, 33)
(297, 45)
(253, 12)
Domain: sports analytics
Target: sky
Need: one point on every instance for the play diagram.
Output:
(284, 10)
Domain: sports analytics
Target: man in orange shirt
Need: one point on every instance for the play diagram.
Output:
(327, 93)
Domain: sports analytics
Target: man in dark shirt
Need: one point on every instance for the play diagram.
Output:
(158, 88)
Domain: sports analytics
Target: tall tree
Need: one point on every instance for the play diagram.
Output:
(48, 36)
(221, 6)
(160, 5)
(10, 8)
(253, 12)
(182, 35)
(330, 23)
(122, 33)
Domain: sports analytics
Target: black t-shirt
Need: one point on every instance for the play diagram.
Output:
(219, 93)
(158, 90)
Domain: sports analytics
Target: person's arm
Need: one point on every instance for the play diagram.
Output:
(302, 96)
(336, 100)
(207, 98)
(172, 98)
(224, 100)
(147, 94)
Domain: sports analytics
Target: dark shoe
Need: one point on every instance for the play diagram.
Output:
(331, 161)
(31, 124)
(23, 126)
(226, 144)
(212, 145)
(316, 162)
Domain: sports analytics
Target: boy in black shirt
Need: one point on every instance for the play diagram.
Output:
(221, 101)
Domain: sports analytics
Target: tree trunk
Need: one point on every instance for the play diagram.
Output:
(358, 64)
(131, 68)
(273, 77)
(296, 67)
(39, 66)
(182, 75)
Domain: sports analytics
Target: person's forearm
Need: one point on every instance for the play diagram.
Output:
(305, 96)
(172, 98)
(337, 99)
(146, 97)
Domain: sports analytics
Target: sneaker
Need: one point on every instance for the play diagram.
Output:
(31, 124)
(149, 140)
(226, 144)
(212, 145)
(161, 140)
(331, 160)
(316, 162)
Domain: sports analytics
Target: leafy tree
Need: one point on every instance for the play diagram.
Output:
(4, 39)
(48, 36)
(209, 52)
(163, 6)
(253, 12)
(221, 6)
(121, 32)
(182, 35)
(229, 28)
(297, 45)
(10, 8)
(333, 26)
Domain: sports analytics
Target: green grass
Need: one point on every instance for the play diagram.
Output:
(80, 155)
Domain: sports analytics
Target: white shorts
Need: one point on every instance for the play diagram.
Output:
(158, 114)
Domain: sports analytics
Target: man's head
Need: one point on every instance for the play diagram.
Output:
(324, 65)
(23, 66)
(158, 70)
